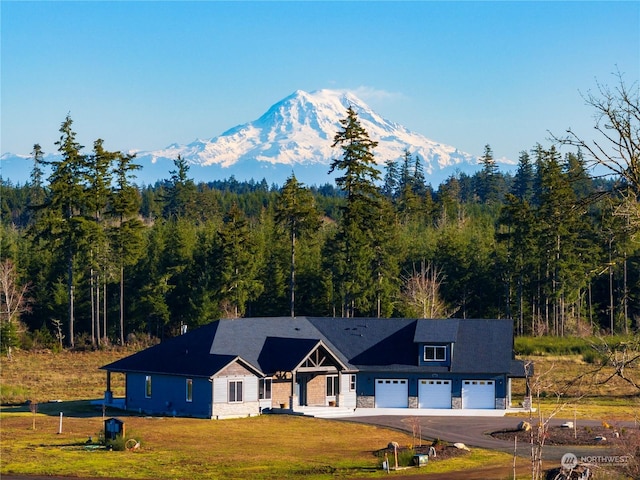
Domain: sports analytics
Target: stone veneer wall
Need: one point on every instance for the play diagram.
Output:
(456, 402)
(280, 393)
(230, 410)
(316, 391)
(365, 401)
(413, 402)
(501, 403)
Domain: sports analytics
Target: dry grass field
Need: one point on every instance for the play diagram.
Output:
(45, 376)
(266, 447)
(554, 387)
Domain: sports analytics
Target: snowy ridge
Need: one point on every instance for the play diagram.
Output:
(299, 130)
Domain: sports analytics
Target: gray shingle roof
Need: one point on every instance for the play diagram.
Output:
(366, 344)
(188, 354)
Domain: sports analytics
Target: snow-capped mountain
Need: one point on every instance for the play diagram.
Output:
(294, 136)
(297, 133)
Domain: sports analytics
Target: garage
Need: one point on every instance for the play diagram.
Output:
(392, 393)
(434, 393)
(478, 394)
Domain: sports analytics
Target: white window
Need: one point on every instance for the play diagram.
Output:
(435, 353)
(235, 391)
(189, 390)
(333, 386)
(264, 392)
(352, 382)
(147, 386)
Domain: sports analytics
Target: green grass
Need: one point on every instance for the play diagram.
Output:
(547, 345)
(265, 447)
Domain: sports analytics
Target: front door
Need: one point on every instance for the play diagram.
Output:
(302, 390)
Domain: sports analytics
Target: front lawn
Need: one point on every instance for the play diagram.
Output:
(265, 447)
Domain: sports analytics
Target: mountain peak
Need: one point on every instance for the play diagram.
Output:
(296, 134)
(299, 130)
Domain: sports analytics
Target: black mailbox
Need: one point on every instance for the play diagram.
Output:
(113, 427)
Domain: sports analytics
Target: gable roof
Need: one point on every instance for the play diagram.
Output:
(268, 345)
(187, 354)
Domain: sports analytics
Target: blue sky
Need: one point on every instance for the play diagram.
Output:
(142, 75)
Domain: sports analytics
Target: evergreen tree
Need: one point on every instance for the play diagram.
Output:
(408, 203)
(296, 212)
(518, 234)
(236, 264)
(488, 178)
(127, 232)
(98, 182)
(523, 181)
(180, 196)
(355, 234)
(418, 180)
(562, 242)
(391, 179)
(67, 205)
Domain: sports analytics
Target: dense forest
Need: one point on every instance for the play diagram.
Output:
(89, 258)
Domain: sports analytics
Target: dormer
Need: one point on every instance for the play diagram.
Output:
(435, 355)
(435, 340)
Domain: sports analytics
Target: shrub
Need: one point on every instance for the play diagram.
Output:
(405, 457)
(592, 357)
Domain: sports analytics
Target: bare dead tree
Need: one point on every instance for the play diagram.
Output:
(13, 298)
(541, 386)
(617, 146)
(622, 357)
(422, 292)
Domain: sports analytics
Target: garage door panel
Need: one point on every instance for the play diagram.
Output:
(478, 394)
(392, 393)
(434, 393)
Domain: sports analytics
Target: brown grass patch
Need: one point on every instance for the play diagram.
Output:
(45, 376)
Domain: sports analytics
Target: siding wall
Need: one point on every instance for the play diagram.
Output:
(249, 405)
(347, 398)
(168, 395)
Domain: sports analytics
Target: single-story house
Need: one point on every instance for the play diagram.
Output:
(242, 367)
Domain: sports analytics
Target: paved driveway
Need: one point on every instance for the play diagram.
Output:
(474, 432)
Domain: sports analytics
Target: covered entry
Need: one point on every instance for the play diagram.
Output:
(478, 394)
(392, 393)
(434, 393)
(317, 377)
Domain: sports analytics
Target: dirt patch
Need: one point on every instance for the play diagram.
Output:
(558, 435)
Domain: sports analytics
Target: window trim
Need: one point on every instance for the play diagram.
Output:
(147, 386)
(352, 382)
(238, 391)
(435, 349)
(189, 390)
(334, 381)
(264, 392)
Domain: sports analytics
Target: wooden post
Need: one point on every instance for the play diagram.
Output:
(395, 453)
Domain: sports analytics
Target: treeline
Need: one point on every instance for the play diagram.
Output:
(89, 258)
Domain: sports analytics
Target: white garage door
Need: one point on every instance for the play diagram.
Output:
(434, 394)
(478, 394)
(392, 393)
